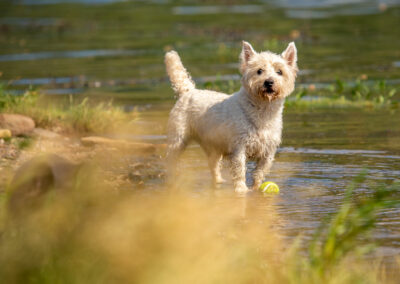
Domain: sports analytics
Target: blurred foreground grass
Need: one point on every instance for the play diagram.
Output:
(90, 232)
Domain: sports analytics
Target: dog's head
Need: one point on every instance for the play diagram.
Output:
(266, 75)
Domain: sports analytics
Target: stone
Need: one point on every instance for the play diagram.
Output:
(36, 178)
(117, 143)
(17, 124)
(43, 133)
(5, 133)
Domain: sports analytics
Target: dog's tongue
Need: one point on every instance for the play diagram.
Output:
(270, 97)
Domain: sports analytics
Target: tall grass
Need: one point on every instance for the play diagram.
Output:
(91, 233)
(73, 116)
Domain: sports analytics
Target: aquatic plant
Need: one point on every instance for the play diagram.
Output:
(348, 230)
(359, 94)
(377, 91)
(342, 94)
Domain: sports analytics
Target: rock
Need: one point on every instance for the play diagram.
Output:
(45, 133)
(5, 133)
(135, 146)
(8, 151)
(17, 124)
(37, 177)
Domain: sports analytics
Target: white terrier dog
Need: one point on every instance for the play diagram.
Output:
(246, 124)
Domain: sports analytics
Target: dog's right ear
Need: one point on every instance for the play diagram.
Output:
(246, 54)
(247, 51)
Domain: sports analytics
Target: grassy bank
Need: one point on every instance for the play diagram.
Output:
(340, 94)
(71, 116)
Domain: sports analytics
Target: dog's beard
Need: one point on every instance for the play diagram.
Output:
(260, 91)
(267, 93)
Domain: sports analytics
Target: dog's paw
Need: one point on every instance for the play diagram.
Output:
(241, 188)
(255, 187)
(219, 180)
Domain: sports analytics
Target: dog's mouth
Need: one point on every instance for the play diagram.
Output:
(268, 93)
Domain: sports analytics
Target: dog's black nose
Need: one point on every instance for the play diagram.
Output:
(268, 83)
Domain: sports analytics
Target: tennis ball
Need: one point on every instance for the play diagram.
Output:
(269, 187)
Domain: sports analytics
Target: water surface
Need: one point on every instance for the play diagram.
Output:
(323, 151)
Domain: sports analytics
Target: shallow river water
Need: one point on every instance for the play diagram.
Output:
(322, 152)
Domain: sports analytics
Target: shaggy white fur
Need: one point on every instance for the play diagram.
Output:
(246, 124)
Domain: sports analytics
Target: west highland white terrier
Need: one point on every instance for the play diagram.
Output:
(241, 126)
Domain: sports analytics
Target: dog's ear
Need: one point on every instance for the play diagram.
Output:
(247, 51)
(245, 55)
(290, 55)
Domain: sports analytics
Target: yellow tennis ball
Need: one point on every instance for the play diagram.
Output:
(269, 187)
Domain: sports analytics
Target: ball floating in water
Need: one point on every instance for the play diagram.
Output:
(269, 187)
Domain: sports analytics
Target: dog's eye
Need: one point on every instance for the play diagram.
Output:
(279, 72)
(259, 71)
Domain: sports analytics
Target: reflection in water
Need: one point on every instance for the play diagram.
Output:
(314, 14)
(27, 22)
(318, 4)
(231, 9)
(87, 2)
(45, 81)
(314, 9)
(296, 9)
(328, 151)
(70, 54)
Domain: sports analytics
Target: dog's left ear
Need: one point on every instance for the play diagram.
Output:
(290, 55)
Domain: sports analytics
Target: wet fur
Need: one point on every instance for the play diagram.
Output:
(246, 124)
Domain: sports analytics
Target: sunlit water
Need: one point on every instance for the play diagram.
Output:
(323, 151)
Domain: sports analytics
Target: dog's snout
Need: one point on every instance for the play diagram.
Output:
(268, 83)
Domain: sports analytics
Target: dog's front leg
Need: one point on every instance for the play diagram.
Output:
(238, 170)
(214, 162)
(262, 168)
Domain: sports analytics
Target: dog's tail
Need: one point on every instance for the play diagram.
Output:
(180, 78)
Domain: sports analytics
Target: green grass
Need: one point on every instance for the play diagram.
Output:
(73, 116)
(360, 94)
(347, 232)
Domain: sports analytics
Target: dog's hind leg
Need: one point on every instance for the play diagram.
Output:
(177, 142)
(174, 151)
(214, 162)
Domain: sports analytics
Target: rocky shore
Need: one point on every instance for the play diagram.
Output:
(125, 164)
